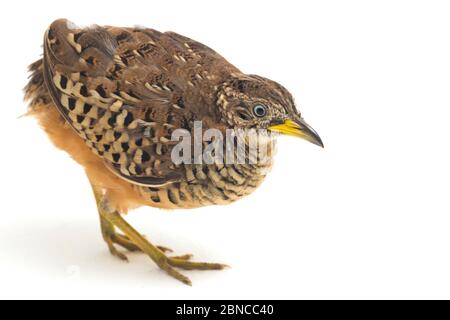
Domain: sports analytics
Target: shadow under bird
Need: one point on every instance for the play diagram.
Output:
(112, 97)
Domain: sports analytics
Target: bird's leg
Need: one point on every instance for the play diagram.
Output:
(109, 233)
(134, 241)
(111, 237)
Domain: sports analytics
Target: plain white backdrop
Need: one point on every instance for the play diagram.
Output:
(366, 217)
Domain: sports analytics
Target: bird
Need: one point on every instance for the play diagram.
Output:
(113, 97)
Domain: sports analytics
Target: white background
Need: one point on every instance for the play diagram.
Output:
(367, 217)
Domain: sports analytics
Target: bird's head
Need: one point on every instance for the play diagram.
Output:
(249, 101)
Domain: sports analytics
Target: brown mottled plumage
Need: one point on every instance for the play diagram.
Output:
(112, 97)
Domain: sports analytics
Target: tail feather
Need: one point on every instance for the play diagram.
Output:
(35, 91)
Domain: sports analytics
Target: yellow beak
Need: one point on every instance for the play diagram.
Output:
(299, 129)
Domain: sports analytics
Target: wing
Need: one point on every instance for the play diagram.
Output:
(111, 86)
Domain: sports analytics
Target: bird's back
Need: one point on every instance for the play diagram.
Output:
(124, 91)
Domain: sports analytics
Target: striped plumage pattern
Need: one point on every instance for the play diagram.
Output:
(125, 90)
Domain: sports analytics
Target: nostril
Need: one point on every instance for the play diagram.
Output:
(275, 122)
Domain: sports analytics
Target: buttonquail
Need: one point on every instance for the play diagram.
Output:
(112, 98)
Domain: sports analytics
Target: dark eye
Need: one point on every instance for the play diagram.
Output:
(259, 110)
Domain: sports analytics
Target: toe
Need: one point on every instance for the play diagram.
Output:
(165, 249)
(125, 243)
(117, 253)
(183, 257)
(190, 265)
(175, 274)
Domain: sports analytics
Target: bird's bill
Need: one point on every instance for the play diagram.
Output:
(299, 129)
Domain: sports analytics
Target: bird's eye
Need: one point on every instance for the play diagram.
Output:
(260, 110)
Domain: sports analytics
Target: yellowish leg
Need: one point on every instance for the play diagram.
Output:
(109, 233)
(111, 237)
(133, 241)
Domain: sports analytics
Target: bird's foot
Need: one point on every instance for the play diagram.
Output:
(159, 254)
(113, 238)
(133, 241)
(166, 263)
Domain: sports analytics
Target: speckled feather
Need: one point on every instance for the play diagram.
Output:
(125, 90)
